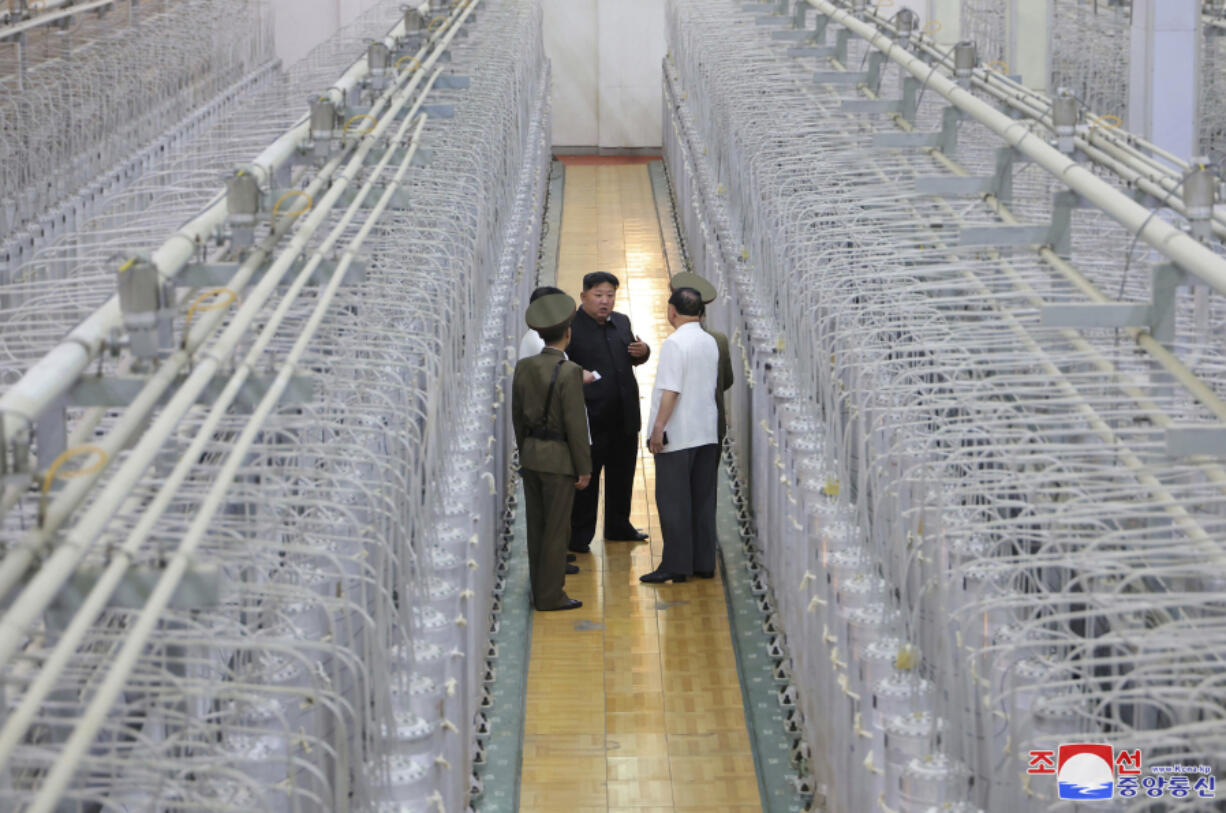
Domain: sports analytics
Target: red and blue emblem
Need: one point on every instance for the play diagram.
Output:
(1086, 771)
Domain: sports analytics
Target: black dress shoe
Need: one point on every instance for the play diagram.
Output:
(579, 550)
(570, 557)
(569, 604)
(631, 536)
(705, 574)
(572, 570)
(659, 576)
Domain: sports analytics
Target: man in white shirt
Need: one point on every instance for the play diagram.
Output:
(684, 442)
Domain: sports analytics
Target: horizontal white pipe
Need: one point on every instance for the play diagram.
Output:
(55, 373)
(40, 20)
(134, 645)
(56, 570)
(1185, 251)
(16, 725)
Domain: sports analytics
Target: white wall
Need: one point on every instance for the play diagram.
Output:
(606, 57)
(303, 24)
(570, 42)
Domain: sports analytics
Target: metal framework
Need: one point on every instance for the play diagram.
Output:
(251, 501)
(983, 423)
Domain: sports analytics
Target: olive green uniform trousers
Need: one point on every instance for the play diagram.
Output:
(547, 502)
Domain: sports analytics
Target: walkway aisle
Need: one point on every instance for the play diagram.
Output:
(633, 701)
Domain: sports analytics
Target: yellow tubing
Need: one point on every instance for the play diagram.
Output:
(54, 472)
(374, 122)
(414, 67)
(197, 303)
(293, 193)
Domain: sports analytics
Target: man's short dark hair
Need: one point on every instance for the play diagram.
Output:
(544, 290)
(688, 302)
(595, 278)
(553, 335)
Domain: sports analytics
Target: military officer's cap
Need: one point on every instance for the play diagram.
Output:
(687, 280)
(551, 311)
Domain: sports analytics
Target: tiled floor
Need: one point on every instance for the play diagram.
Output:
(634, 700)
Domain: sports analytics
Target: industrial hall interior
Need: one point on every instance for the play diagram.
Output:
(592, 406)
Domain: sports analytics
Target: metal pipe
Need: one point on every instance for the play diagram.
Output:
(55, 373)
(134, 645)
(14, 29)
(41, 589)
(15, 727)
(1188, 253)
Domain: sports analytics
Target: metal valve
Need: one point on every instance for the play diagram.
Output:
(323, 123)
(1065, 111)
(1199, 197)
(323, 118)
(378, 60)
(378, 57)
(243, 206)
(242, 197)
(413, 20)
(906, 21)
(966, 57)
(147, 304)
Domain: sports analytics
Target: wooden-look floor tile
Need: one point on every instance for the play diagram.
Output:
(564, 745)
(714, 743)
(566, 770)
(640, 793)
(717, 794)
(626, 769)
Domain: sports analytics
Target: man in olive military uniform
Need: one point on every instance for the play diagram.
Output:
(555, 457)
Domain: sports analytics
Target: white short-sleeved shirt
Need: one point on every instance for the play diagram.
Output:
(531, 344)
(688, 363)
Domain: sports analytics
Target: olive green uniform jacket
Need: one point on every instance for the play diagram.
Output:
(567, 415)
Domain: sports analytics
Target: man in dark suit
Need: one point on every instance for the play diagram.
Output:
(547, 413)
(602, 341)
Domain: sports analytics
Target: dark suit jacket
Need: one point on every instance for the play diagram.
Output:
(604, 349)
(529, 389)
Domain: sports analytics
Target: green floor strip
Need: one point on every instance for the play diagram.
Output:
(763, 714)
(674, 252)
(551, 236)
(504, 748)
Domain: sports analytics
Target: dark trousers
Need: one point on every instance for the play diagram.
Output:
(617, 454)
(685, 501)
(547, 503)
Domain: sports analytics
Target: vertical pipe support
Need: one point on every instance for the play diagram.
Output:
(1028, 41)
(1164, 74)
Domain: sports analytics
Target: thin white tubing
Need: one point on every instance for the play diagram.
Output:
(19, 559)
(40, 20)
(95, 714)
(1186, 251)
(56, 372)
(15, 727)
(41, 589)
